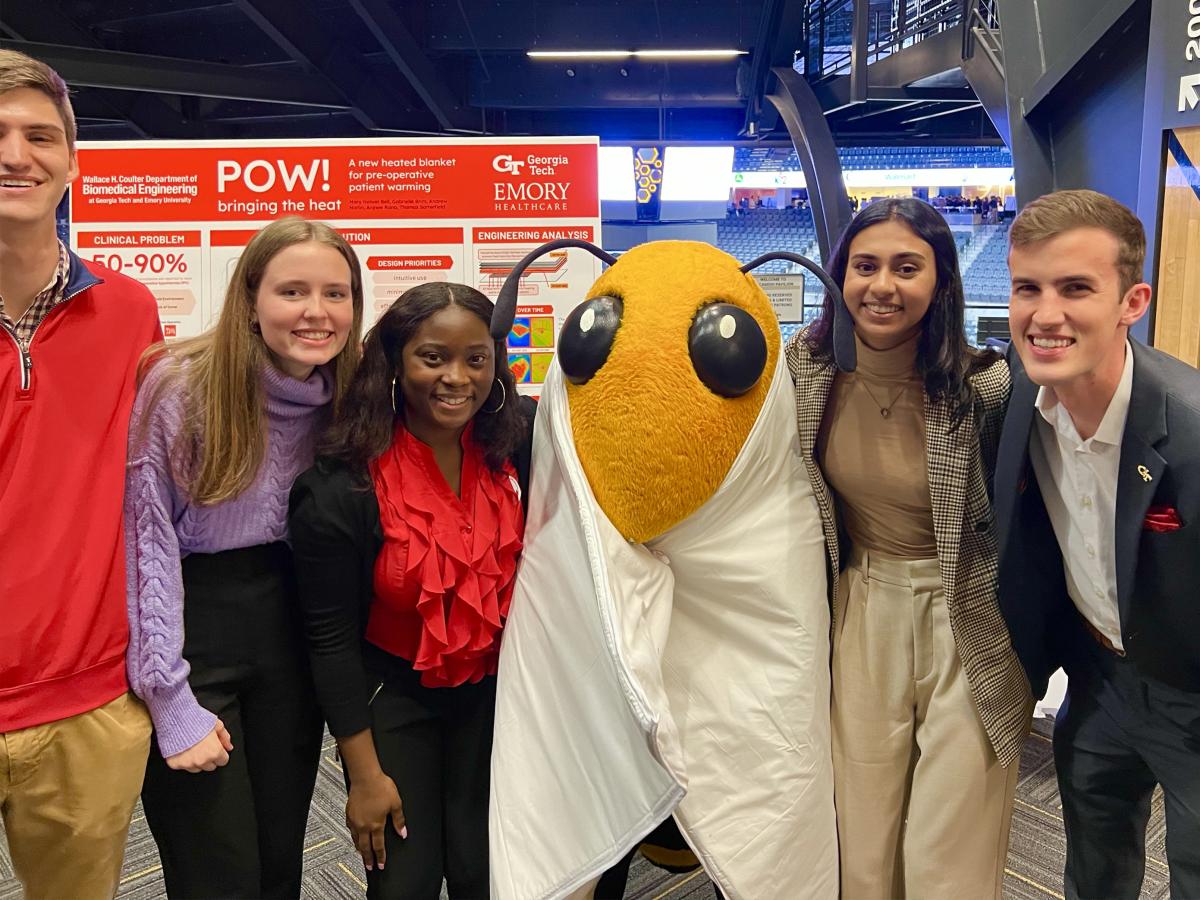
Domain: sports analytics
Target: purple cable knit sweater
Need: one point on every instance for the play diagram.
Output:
(162, 527)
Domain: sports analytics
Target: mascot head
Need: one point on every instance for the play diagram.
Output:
(667, 364)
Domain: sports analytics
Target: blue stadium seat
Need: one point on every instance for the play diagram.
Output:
(783, 159)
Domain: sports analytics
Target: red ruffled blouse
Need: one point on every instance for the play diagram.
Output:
(444, 578)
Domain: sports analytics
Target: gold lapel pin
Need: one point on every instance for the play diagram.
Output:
(1145, 473)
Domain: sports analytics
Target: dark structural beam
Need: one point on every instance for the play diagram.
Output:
(585, 84)
(837, 93)
(860, 35)
(940, 53)
(294, 26)
(166, 75)
(983, 65)
(779, 28)
(139, 12)
(150, 115)
(645, 124)
(1087, 44)
(809, 129)
(402, 49)
(504, 27)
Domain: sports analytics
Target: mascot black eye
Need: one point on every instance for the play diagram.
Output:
(587, 337)
(728, 349)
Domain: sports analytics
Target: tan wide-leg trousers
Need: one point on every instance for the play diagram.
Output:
(923, 805)
(67, 789)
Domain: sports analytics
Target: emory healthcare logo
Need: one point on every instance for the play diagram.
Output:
(505, 163)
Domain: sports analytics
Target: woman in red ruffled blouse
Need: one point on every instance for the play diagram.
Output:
(406, 535)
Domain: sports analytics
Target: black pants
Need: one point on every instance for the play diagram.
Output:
(1117, 735)
(436, 744)
(239, 831)
(665, 847)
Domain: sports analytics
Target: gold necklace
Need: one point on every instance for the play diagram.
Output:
(885, 411)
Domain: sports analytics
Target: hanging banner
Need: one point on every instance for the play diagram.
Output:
(176, 215)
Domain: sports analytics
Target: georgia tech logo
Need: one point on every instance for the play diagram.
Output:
(505, 163)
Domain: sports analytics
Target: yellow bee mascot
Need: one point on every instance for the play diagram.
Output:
(667, 649)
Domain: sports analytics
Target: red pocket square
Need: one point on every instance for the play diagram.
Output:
(1162, 518)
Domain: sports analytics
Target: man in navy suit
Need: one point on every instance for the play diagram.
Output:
(1097, 501)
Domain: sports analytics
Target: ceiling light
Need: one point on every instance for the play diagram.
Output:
(579, 54)
(637, 54)
(688, 54)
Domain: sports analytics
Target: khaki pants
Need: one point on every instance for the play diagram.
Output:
(67, 790)
(923, 805)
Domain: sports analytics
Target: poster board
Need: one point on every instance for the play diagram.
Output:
(177, 214)
(786, 293)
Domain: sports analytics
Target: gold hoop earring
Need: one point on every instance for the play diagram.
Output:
(503, 400)
(395, 412)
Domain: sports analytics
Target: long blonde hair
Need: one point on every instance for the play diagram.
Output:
(223, 439)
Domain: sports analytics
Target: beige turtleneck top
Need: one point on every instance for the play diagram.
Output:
(876, 464)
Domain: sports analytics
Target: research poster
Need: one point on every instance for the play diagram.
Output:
(176, 215)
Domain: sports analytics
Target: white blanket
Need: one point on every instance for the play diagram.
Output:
(692, 671)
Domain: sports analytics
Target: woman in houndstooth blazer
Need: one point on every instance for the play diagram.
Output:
(930, 705)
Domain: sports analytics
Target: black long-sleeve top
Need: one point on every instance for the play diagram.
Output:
(336, 535)
(334, 523)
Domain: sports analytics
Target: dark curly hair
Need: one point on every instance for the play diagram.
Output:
(365, 420)
(944, 358)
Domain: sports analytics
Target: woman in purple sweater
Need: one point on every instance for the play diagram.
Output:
(222, 425)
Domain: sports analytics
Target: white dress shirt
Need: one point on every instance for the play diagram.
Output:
(1078, 480)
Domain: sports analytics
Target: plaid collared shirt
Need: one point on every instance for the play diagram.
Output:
(49, 297)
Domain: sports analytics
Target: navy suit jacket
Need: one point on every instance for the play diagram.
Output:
(1158, 573)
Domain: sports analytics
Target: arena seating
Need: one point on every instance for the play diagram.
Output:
(985, 272)
(760, 231)
(982, 253)
(784, 159)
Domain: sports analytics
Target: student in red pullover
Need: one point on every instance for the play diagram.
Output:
(73, 740)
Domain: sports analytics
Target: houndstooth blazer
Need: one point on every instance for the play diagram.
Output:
(960, 463)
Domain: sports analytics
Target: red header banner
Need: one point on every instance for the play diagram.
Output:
(340, 182)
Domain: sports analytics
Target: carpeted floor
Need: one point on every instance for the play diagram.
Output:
(333, 870)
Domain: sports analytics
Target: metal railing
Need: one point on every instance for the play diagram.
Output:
(829, 28)
(982, 31)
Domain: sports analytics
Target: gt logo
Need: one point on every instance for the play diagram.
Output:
(506, 163)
